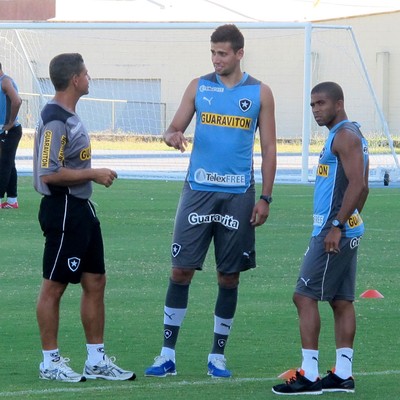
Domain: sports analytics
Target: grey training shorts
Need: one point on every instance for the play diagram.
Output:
(329, 276)
(222, 217)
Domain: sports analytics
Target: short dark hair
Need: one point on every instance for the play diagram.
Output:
(229, 33)
(63, 67)
(0, 66)
(332, 89)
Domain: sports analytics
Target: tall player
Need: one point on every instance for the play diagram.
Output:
(73, 250)
(328, 272)
(218, 198)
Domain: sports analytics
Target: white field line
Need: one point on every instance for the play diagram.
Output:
(167, 383)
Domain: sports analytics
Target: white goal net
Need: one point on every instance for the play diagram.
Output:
(140, 71)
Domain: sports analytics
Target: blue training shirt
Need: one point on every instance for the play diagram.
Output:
(226, 121)
(330, 185)
(5, 104)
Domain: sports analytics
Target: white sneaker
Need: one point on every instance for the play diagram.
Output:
(60, 371)
(106, 369)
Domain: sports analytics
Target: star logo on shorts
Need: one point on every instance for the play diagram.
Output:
(175, 249)
(245, 104)
(73, 263)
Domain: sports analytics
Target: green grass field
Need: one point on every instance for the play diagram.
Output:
(137, 220)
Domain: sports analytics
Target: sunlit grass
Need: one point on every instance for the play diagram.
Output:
(137, 220)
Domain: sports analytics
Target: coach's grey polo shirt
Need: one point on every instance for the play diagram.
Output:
(61, 140)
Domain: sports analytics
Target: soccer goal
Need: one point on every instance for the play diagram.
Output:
(139, 72)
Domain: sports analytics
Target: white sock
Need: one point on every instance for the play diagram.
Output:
(310, 364)
(214, 356)
(95, 353)
(222, 326)
(50, 356)
(174, 316)
(169, 353)
(11, 200)
(344, 362)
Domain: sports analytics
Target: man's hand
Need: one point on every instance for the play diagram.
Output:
(332, 240)
(176, 140)
(104, 176)
(260, 213)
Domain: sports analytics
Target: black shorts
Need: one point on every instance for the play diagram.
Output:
(74, 242)
(222, 217)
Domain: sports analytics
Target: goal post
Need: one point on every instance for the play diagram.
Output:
(139, 72)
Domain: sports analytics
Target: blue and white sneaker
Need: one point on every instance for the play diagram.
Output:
(161, 367)
(107, 370)
(60, 371)
(217, 368)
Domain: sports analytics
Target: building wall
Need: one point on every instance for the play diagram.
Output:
(27, 10)
(378, 38)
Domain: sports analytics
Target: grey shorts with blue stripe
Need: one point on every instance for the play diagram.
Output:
(329, 276)
(222, 217)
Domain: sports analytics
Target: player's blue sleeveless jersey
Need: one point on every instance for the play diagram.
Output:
(5, 104)
(330, 185)
(226, 121)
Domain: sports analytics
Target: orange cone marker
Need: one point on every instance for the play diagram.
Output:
(371, 294)
(290, 373)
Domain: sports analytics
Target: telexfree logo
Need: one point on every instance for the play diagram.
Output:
(202, 176)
